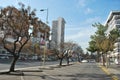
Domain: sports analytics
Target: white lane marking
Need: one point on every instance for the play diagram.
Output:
(22, 78)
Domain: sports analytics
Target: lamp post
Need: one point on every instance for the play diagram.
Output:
(45, 35)
(46, 15)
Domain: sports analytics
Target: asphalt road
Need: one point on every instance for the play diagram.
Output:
(82, 71)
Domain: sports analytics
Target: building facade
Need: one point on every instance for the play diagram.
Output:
(40, 34)
(58, 27)
(113, 22)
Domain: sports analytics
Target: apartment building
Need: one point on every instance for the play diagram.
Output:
(113, 21)
(58, 27)
(42, 34)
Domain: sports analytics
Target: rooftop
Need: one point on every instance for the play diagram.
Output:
(115, 12)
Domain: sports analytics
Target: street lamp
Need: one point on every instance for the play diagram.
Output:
(50, 38)
(46, 15)
(45, 34)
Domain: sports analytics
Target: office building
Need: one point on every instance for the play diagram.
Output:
(58, 27)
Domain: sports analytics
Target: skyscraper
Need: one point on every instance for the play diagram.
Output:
(58, 27)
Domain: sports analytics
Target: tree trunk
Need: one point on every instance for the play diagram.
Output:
(67, 60)
(79, 58)
(61, 59)
(98, 57)
(103, 59)
(12, 67)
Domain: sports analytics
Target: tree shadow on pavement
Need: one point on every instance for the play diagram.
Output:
(60, 66)
(84, 76)
(42, 76)
(32, 70)
(16, 73)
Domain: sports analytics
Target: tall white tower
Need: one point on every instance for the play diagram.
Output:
(58, 27)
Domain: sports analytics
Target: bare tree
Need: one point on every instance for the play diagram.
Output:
(16, 24)
(66, 53)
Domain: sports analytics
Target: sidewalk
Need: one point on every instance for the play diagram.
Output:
(113, 70)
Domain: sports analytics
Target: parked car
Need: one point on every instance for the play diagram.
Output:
(116, 61)
(84, 61)
(4, 57)
(92, 60)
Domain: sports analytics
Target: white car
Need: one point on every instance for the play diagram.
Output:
(84, 61)
(116, 61)
(92, 61)
(4, 57)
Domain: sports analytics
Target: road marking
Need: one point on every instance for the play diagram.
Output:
(105, 70)
(21, 77)
(108, 73)
(115, 77)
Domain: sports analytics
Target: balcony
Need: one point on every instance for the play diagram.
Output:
(117, 21)
(116, 17)
(117, 44)
(1, 34)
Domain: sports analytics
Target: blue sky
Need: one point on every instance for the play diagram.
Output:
(78, 14)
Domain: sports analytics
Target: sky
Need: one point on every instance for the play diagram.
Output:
(78, 14)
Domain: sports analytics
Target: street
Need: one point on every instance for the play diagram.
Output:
(83, 71)
(77, 71)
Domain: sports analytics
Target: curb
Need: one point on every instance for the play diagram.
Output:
(114, 77)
